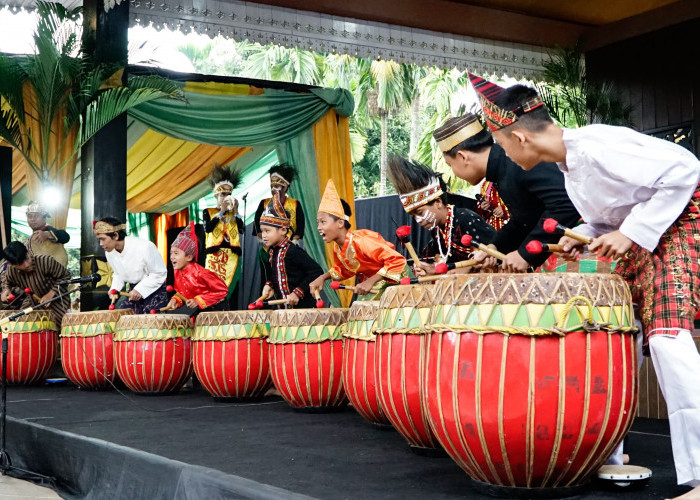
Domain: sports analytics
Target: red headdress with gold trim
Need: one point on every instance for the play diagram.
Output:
(497, 117)
(187, 241)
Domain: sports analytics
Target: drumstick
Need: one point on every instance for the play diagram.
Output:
(535, 247)
(422, 279)
(468, 241)
(257, 303)
(12, 297)
(170, 289)
(552, 226)
(165, 308)
(442, 267)
(403, 233)
(336, 285)
(121, 294)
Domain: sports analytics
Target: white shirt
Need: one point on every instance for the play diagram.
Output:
(621, 179)
(139, 262)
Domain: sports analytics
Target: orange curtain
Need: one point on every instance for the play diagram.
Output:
(59, 150)
(162, 223)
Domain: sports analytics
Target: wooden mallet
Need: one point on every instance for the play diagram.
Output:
(442, 267)
(536, 247)
(116, 294)
(257, 303)
(404, 233)
(336, 285)
(422, 279)
(552, 226)
(319, 301)
(468, 241)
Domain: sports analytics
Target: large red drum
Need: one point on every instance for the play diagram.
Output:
(154, 352)
(32, 346)
(531, 379)
(87, 353)
(230, 355)
(306, 357)
(399, 362)
(358, 361)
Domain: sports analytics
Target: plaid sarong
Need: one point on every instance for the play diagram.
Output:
(665, 283)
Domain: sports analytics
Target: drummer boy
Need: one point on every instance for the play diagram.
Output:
(361, 253)
(640, 199)
(197, 288)
(290, 269)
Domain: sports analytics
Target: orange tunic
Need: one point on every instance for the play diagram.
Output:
(364, 254)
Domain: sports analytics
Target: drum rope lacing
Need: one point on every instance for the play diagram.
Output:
(588, 325)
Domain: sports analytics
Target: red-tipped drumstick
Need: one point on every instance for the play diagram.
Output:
(536, 247)
(319, 301)
(552, 226)
(443, 267)
(468, 241)
(404, 233)
(336, 285)
(422, 279)
(121, 294)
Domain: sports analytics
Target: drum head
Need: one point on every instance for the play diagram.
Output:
(623, 476)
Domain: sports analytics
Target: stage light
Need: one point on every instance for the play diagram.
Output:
(51, 196)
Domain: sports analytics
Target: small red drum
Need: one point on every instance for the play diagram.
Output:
(306, 357)
(531, 379)
(87, 353)
(399, 362)
(230, 354)
(358, 361)
(32, 346)
(154, 351)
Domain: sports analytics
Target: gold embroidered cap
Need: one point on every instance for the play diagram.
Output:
(35, 207)
(330, 203)
(102, 227)
(456, 130)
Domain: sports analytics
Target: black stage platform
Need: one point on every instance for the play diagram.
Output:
(106, 445)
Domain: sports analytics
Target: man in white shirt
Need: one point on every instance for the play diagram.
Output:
(640, 200)
(135, 262)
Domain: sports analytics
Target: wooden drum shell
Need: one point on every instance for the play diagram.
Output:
(306, 357)
(230, 353)
(32, 346)
(528, 408)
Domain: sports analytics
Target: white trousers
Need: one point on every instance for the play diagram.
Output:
(677, 365)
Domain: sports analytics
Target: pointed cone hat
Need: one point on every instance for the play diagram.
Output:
(274, 213)
(330, 203)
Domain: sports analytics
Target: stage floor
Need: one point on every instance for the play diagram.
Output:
(332, 455)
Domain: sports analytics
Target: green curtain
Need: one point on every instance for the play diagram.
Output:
(300, 152)
(242, 120)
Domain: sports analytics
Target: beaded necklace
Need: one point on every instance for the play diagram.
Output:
(446, 234)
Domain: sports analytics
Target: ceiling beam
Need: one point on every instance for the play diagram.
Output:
(447, 16)
(641, 24)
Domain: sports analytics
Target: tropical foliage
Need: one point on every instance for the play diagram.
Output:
(55, 100)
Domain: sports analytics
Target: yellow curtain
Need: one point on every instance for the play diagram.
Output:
(60, 147)
(333, 160)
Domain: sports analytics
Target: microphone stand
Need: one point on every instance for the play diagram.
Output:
(242, 261)
(5, 462)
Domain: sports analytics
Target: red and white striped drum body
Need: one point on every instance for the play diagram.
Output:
(230, 353)
(521, 389)
(32, 346)
(359, 348)
(399, 361)
(154, 351)
(87, 351)
(306, 356)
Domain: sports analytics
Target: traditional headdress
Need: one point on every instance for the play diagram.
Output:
(456, 130)
(497, 117)
(224, 180)
(102, 227)
(187, 241)
(274, 214)
(282, 174)
(417, 185)
(35, 207)
(330, 203)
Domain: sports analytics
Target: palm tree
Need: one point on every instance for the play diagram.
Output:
(572, 99)
(275, 62)
(55, 100)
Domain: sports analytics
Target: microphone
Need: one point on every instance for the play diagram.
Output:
(245, 196)
(94, 278)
